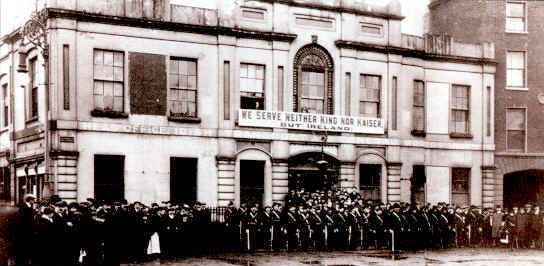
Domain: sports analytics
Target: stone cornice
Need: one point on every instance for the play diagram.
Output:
(170, 26)
(387, 49)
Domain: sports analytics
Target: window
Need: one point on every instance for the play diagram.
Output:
(109, 177)
(515, 69)
(417, 183)
(418, 110)
(182, 96)
(251, 181)
(370, 176)
(108, 80)
(33, 90)
(460, 110)
(460, 178)
(66, 76)
(488, 112)
(515, 17)
(280, 88)
(252, 86)
(183, 179)
(5, 105)
(226, 90)
(312, 98)
(369, 98)
(515, 129)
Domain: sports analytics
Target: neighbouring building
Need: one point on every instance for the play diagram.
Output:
(516, 29)
(154, 100)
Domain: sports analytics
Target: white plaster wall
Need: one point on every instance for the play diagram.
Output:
(147, 164)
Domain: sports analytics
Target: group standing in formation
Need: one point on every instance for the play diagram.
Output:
(99, 233)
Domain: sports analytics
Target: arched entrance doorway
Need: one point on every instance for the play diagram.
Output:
(309, 171)
(523, 187)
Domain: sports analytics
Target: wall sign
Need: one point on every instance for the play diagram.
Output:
(307, 121)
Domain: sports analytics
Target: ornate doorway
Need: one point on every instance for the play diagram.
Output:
(308, 171)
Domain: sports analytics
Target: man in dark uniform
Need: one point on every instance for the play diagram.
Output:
(24, 231)
(304, 228)
(46, 233)
(265, 228)
(317, 226)
(277, 230)
(396, 226)
(290, 223)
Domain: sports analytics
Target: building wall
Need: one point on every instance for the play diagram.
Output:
(476, 21)
(148, 140)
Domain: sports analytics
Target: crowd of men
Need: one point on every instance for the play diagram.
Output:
(98, 233)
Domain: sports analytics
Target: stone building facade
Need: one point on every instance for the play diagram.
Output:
(516, 29)
(149, 100)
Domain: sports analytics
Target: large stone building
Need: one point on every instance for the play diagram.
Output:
(516, 29)
(151, 100)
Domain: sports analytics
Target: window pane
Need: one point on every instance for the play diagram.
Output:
(515, 60)
(259, 71)
(516, 140)
(174, 80)
(183, 81)
(515, 78)
(419, 118)
(515, 24)
(183, 67)
(98, 88)
(515, 10)
(118, 89)
(174, 66)
(191, 82)
(118, 59)
(108, 73)
(515, 119)
(108, 102)
(99, 72)
(191, 68)
(251, 71)
(108, 89)
(108, 58)
(243, 70)
(118, 74)
(98, 102)
(98, 57)
(118, 104)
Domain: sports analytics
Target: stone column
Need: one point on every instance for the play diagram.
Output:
(488, 186)
(225, 180)
(280, 179)
(393, 181)
(347, 175)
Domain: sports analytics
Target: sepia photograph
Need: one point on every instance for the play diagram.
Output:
(271, 132)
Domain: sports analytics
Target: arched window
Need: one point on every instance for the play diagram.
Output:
(313, 80)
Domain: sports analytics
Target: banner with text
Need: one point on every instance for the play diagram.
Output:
(307, 121)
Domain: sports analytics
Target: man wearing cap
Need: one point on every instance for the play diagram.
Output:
(24, 233)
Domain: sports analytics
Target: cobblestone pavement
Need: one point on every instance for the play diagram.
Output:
(465, 256)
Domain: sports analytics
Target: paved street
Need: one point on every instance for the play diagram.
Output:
(475, 257)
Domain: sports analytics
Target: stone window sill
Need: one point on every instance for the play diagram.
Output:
(32, 119)
(461, 136)
(185, 119)
(108, 113)
(418, 133)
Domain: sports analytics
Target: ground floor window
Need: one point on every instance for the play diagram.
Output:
(460, 178)
(109, 177)
(5, 184)
(418, 183)
(183, 179)
(251, 181)
(370, 176)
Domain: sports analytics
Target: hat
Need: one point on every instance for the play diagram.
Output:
(396, 205)
(61, 204)
(27, 197)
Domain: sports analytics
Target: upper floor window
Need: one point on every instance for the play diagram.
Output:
(5, 105)
(182, 95)
(313, 80)
(515, 129)
(33, 89)
(516, 17)
(251, 86)
(515, 69)
(369, 96)
(109, 79)
(312, 99)
(460, 109)
(418, 109)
